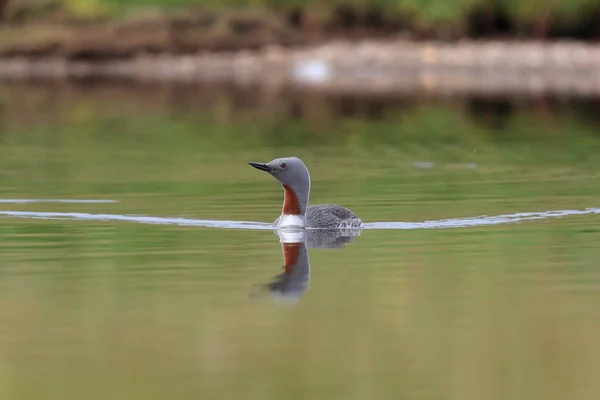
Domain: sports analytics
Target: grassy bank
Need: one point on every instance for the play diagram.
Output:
(101, 29)
(449, 19)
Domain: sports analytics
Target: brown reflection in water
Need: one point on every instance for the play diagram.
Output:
(42, 102)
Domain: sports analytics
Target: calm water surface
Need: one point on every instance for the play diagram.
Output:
(123, 290)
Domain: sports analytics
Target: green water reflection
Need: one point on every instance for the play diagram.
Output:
(93, 309)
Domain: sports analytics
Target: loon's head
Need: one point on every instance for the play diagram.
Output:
(293, 175)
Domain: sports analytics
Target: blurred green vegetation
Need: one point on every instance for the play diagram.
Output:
(441, 18)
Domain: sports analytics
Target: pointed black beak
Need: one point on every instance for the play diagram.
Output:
(262, 167)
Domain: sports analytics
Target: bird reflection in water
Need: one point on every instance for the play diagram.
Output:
(293, 282)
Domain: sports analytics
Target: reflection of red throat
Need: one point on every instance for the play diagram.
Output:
(291, 252)
(290, 202)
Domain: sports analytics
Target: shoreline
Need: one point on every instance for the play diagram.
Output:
(369, 66)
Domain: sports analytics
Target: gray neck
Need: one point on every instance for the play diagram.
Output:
(300, 185)
(293, 214)
(303, 194)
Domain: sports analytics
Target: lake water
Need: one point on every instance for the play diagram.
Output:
(476, 276)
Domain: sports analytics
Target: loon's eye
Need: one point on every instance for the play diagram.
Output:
(282, 165)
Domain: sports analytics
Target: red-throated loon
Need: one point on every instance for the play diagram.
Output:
(293, 175)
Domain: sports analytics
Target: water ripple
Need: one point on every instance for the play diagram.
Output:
(141, 219)
(434, 224)
(482, 220)
(26, 201)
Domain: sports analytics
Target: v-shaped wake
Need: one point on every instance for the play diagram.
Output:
(483, 220)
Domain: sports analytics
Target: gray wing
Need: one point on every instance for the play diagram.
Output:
(331, 216)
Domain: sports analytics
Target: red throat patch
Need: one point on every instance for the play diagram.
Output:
(291, 252)
(290, 202)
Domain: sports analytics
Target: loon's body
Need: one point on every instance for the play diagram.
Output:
(327, 216)
(293, 175)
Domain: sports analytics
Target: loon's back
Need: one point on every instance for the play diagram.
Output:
(331, 216)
